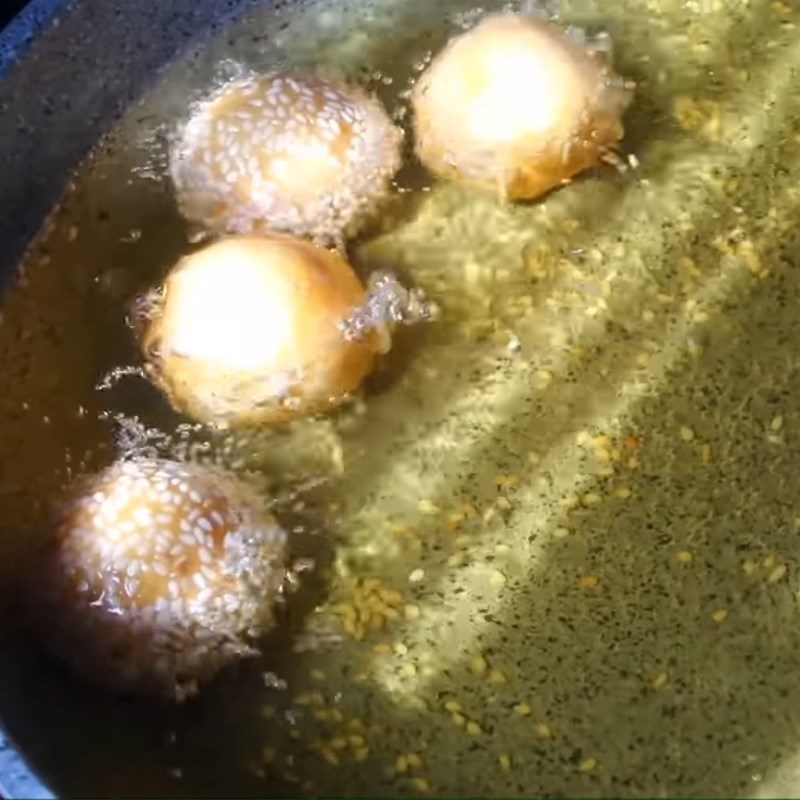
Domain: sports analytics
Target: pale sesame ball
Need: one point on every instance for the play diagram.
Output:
(247, 330)
(517, 104)
(160, 574)
(285, 153)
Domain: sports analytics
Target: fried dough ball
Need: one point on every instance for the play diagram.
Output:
(519, 105)
(277, 152)
(161, 573)
(247, 330)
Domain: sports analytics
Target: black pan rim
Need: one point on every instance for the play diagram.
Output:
(17, 779)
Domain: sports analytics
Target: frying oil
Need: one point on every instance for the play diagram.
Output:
(553, 549)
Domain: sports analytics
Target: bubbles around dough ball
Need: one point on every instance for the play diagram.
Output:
(517, 104)
(160, 574)
(292, 154)
(247, 331)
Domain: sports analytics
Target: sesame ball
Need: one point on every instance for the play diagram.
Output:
(160, 574)
(292, 154)
(519, 105)
(247, 330)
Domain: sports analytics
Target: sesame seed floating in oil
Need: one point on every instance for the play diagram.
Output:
(159, 575)
(285, 153)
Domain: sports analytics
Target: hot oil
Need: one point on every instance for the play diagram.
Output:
(554, 546)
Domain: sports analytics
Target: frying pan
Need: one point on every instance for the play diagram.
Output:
(654, 633)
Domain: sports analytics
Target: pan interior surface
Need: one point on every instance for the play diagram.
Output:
(555, 549)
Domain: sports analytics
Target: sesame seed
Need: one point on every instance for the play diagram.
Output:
(478, 664)
(473, 728)
(777, 573)
(542, 730)
(497, 677)
(687, 434)
(660, 681)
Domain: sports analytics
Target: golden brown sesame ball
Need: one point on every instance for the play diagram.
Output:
(160, 574)
(247, 331)
(517, 104)
(277, 152)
